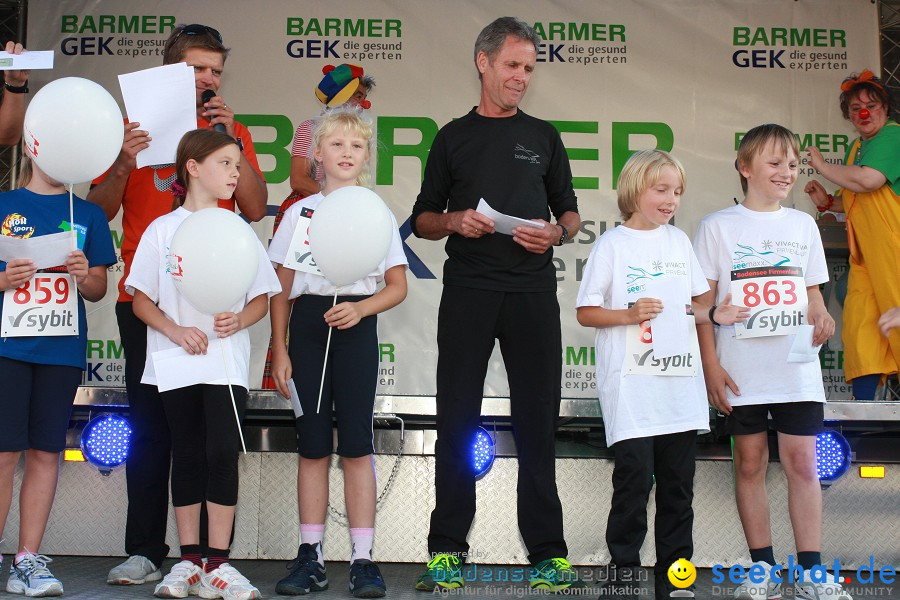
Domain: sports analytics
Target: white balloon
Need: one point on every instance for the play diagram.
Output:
(218, 257)
(349, 234)
(73, 129)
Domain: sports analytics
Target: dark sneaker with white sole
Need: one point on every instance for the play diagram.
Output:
(307, 575)
(366, 580)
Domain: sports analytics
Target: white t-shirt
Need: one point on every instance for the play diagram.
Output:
(316, 285)
(621, 263)
(736, 239)
(149, 275)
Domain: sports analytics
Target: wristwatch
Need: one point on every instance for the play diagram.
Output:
(564, 236)
(16, 89)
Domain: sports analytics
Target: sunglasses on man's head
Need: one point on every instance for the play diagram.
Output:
(197, 29)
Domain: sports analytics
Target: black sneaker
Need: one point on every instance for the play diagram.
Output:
(623, 582)
(366, 580)
(626, 575)
(307, 575)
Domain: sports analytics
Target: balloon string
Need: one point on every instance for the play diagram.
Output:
(72, 219)
(325, 362)
(237, 418)
(72, 281)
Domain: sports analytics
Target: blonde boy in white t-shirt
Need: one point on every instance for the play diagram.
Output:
(770, 258)
(653, 402)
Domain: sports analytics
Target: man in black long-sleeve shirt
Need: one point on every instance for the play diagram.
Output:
(500, 287)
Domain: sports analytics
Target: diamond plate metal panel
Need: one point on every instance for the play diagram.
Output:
(278, 524)
(89, 514)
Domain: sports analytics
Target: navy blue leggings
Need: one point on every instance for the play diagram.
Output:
(350, 379)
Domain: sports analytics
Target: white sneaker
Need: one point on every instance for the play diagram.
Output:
(136, 570)
(830, 589)
(227, 583)
(766, 589)
(183, 580)
(30, 576)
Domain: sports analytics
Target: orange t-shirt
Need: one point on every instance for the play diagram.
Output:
(147, 197)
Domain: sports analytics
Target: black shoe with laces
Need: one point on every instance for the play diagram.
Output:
(307, 575)
(622, 582)
(366, 580)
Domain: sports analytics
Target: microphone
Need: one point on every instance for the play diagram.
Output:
(206, 97)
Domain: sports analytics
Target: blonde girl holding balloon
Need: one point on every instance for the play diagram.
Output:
(342, 384)
(203, 415)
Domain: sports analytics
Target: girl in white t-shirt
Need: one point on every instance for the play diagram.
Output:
(653, 399)
(343, 139)
(205, 434)
(771, 258)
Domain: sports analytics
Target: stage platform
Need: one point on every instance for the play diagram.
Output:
(84, 578)
(88, 517)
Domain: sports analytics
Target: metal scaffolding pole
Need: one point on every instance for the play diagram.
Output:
(890, 48)
(12, 27)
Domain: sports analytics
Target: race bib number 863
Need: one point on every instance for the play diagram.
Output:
(776, 297)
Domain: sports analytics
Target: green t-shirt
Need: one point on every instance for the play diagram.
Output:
(881, 153)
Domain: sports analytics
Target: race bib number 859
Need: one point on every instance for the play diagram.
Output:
(45, 305)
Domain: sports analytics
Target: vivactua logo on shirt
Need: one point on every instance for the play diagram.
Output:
(15, 225)
(637, 277)
(523, 153)
(770, 254)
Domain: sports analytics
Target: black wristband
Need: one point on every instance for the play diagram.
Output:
(16, 89)
(564, 236)
(712, 311)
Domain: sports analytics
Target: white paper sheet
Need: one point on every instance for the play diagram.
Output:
(802, 349)
(175, 368)
(164, 101)
(504, 223)
(45, 250)
(670, 327)
(295, 399)
(29, 59)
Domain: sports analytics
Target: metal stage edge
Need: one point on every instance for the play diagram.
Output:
(570, 408)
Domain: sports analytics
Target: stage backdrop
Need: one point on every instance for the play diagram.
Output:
(688, 76)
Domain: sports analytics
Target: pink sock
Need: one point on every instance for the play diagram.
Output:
(20, 556)
(313, 533)
(361, 538)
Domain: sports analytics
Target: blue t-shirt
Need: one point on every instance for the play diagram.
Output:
(25, 214)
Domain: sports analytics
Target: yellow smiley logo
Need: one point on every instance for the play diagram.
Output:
(682, 573)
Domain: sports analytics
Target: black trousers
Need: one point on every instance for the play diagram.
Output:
(206, 442)
(147, 466)
(670, 459)
(527, 327)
